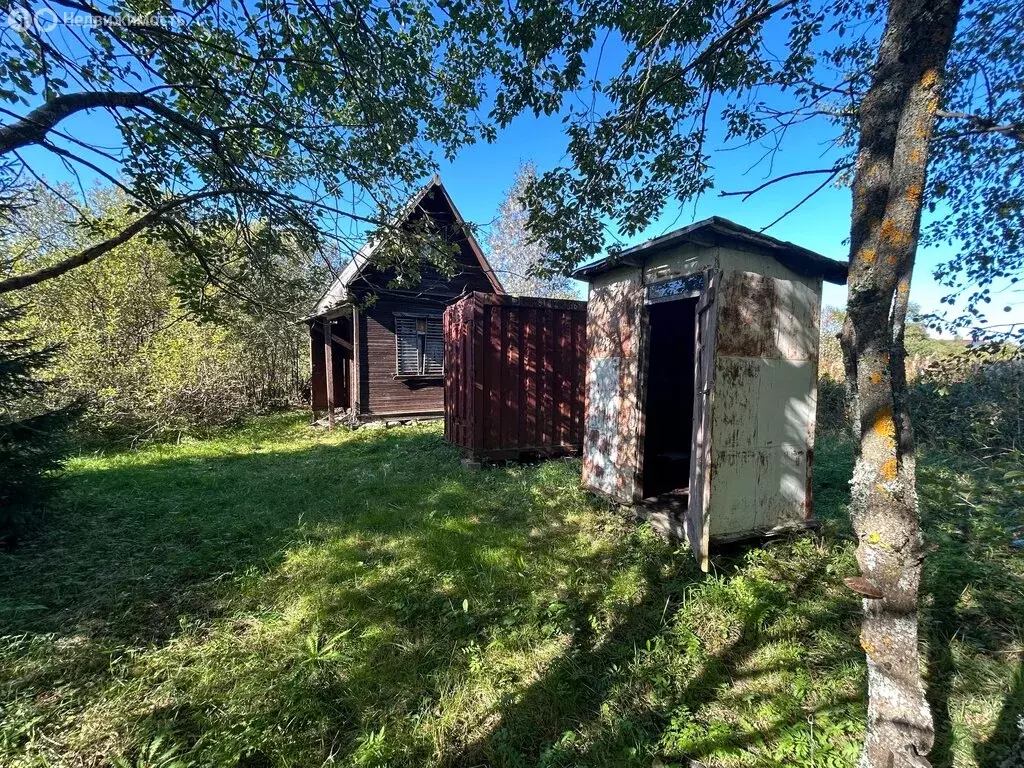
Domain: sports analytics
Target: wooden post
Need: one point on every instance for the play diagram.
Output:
(312, 375)
(356, 372)
(329, 372)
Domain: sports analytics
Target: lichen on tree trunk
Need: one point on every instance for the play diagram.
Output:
(896, 117)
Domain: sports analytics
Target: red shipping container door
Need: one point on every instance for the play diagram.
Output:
(514, 372)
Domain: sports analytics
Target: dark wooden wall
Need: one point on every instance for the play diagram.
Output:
(515, 369)
(382, 392)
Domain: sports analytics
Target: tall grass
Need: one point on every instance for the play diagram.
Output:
(277, 596)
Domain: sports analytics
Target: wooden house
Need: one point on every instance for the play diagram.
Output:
(377, 351)
(702, 380)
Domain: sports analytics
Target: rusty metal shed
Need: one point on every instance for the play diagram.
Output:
(702, 368)
(514, 370)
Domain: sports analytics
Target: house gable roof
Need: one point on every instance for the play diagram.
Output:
(338, 294)
(719, 231)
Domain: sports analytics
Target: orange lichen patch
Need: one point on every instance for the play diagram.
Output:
(904, 287)
(914, 193)
(866, 645)
(893, 234)
(916, 156)
(884, 425)
(930, 78)
(893, 259)
(869, 255)
(888, 470)
(876, 377)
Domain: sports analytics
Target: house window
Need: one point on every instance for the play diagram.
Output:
(419, 345)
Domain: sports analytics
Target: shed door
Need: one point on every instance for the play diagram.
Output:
(697, 523)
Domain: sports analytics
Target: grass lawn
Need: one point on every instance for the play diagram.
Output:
(278, 596)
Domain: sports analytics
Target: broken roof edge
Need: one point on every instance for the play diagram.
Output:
(723, 231)
(337, 293)
(330, 313)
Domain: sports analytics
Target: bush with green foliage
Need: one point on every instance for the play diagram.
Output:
(962, 397)
(833, 415)
(32, 436)
(153, 355)
(975, 406)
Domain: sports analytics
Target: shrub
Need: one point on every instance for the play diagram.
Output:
(155, 351)
(833, 415)
(974, 404)
(33, 438)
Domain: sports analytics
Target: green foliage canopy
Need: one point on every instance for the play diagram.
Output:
(639, 137)
(312, 119)
(150, 362)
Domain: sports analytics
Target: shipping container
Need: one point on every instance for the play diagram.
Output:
(514, 372)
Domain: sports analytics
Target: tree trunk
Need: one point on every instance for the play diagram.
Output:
(896, 121)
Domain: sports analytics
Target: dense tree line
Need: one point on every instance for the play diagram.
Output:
(149, 357)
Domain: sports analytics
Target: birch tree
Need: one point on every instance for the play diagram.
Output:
(521, 261)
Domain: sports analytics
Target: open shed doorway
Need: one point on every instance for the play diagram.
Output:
(668, 431)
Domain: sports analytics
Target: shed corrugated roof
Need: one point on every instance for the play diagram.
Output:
(719, 231)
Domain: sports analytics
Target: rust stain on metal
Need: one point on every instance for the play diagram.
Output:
(809, 486)
(747, 316)
(611, 453)
(514, 376)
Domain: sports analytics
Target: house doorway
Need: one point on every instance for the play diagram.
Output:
(668, 409)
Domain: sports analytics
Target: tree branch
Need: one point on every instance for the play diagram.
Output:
(834, 171)
(95, 251)
(33, 127)
(711, 51)
(153, 217)
(809, 195)
(982, 124)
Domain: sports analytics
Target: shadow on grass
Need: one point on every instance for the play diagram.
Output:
(282, 597)
(585, 685)
(971, 594)
(137, 543)
(190, 558)
(972, 618)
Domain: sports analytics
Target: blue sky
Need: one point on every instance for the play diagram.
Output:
(480, 175)
(478, 178)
